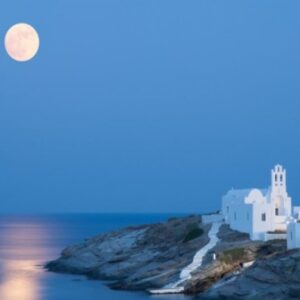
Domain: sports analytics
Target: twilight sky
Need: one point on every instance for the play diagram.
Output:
(148, 106)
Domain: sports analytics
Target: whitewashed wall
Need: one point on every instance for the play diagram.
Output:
(280, 223)
(241, 217)
(260, 226)
(293, 235)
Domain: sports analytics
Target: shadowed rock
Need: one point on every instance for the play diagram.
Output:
(152, 256)
(136, 257)
(275, 276)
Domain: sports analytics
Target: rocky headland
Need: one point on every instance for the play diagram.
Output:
(153, 256)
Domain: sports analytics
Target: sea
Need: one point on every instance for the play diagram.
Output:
(28, 242)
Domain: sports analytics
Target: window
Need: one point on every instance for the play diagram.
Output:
(276, 177)
(235, 216)
(276, 211)
(291, 235)
(263, 217)
(281, 178)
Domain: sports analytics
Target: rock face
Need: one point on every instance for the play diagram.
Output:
(275, 277)
(152, 256)
(137, 258)
(233, 249)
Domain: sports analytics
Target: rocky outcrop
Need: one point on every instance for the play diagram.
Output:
(137, 257)
(275, 277)
(152, 256)
(234, 251)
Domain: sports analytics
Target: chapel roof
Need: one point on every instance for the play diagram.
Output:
(242, 193)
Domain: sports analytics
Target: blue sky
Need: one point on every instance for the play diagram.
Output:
(148, 106)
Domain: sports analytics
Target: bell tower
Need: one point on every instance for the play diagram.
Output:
(279, 195)
(279, 180)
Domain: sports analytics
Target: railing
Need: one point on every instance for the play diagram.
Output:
(212, 218)
(274, 236)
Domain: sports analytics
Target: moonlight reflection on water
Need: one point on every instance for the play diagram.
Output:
(19, 281)
(28, 242)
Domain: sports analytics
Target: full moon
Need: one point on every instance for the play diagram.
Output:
(22, 42)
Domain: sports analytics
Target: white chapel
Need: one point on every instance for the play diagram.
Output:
(263, 213)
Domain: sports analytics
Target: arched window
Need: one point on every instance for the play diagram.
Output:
(275, 177)
(281, 178)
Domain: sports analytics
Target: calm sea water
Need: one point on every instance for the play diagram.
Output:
(27, 242)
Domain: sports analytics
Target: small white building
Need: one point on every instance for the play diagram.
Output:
(263, 213)
(293, 229)
(293, 234)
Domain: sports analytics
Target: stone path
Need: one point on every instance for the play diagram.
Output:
(186, 272)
